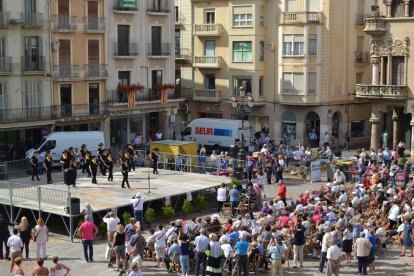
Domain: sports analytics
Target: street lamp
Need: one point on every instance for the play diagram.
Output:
(243, 105)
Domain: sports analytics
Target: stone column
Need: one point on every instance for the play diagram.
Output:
(389, 3)
(389, 70)
(395, 127)
(375, 69)
(375, 127)
(412, 138)
(406, 8)
(106, 128)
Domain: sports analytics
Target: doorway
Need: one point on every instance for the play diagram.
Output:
(93, 98)
(312, 121)
(156, 32)
(66, 100)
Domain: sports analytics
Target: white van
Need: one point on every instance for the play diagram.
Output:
(223, 133)
(57, 142)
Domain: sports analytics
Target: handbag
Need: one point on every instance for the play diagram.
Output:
(108, 252)
(34, 234)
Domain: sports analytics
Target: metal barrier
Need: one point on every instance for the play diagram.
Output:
(14, 168)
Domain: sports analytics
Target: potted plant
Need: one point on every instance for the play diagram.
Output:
(149, 216)
(167, 212)
(200, 202)
(126, 216)
(102, 229)
(130, 90)
(187, 208)
(234, 182)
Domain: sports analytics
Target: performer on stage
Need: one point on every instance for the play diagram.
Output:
(48, 166)
(125, 170)
(64, 159)
(154, 160)
(109, 163)
(83, 152)
(87, 161)
(94, 169)
(35, 162)
(102, 160)
(74, 166)
(131, 153)
(101, 149)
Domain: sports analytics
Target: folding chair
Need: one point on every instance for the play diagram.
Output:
(226, 209)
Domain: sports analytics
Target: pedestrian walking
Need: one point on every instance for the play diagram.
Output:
(15, 244)
(87, 231)
(34, 162)
(333, 257)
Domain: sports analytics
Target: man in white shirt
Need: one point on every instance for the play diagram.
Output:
(339, 177)
(297, 154)
(327, 240)
(158, 135)
(334, 258)
(393, 214)
(221, 197)
(343, 198)
(160, 244)
(138, 207)
(112, 222)
(15, 244)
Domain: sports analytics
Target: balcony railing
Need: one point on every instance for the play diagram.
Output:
(123, 6)
(125, 49)
(96, 71)
(93, 23)
(33, 63)
(64, 22)
(207, 62)
(300, 17)
(4, 19)
(158, 6)
(375, 26)
(5, 65)
(32, 20)
(206, 95)
(182, 53)
(360, 19)
(361, 57)
(142, 96)
(66, 71)
(26, 114)
(158, 49)
(208, 29)
(392, 92)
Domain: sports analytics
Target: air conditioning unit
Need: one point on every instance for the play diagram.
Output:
(16, 21)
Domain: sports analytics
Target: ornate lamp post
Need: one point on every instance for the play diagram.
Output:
(243, 105)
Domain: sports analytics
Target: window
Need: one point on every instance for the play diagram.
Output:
(32, 98)
(210, 48)
(123, 77)
(210, 81)
(261, 86)
(261, 51)
(239, 81)
(398, 65)
(3, 100)
(210, 17)
(357, 129)
(242, 20)
(177, 14)
(293, 45)
(293, 83)
(290, 5)
(311, 83)
(156, 77)
(313, 5)
(312, 46)
(242, 51)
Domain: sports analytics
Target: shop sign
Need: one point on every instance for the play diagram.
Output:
(80, 119)
(136, 111)
(127, 4)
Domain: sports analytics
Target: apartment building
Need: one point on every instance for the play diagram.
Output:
(389, 86)
(299, 61)
(79, 70)
(141, 51)
(25, 68)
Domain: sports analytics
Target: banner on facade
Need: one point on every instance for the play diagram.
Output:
(127, 4)
(316, 171)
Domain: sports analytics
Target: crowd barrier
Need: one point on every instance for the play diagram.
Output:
(14, 168)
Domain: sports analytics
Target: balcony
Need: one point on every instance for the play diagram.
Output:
(43, 113)
(360, 19)
(96, 71)
(5, 65)
(208, 29)
(32, 20)
(158, 50)
(115, 98)
(4, 19)
(33, 64)
(158, 7)
(178, 21)
(361, 57)
(125, 50)
(300, 17)
(207, 62)
(94, 24)
(126, 7)
(206, 95)
(64, 23)
(391, 92)
(375, 26)
(66, 71)
(182, 55)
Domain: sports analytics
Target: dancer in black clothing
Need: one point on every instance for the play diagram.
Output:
(154, 160)
(101, 150)
(35, 162)
(102, 160)
(74, 166)
(88, 163)
(131, 153)
(71, 154)
(48, 166)
(83, 152)
(64, 159)
(109, 163)
(125, 170)
(94, 169)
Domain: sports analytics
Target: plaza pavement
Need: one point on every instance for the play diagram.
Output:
(71, 253)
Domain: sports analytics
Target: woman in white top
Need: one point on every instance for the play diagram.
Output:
(221, 197)
(41, 236)
(160, 245)
(57, 268)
